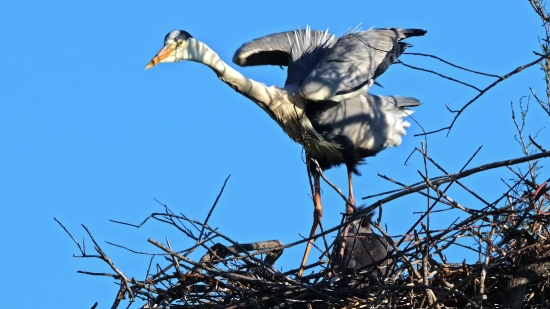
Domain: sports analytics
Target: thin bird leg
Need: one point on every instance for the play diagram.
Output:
(317, 215)
(351, 199)
(349, 211)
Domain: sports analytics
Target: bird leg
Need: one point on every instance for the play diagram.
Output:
(317, 215)
(351, 199)
(349, 210)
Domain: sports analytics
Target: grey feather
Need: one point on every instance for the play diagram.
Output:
(272, 49)
(334, 76)
(317, 60)
(300, 50)
(276, 48)
(353, 63)
(365, 255)
(370, 121)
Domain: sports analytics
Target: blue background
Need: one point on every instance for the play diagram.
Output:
(87, 135)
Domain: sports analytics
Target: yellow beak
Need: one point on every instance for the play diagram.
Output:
(164, 53)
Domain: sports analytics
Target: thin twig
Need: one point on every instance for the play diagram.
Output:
(213, 207)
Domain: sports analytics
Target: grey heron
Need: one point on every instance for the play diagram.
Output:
(364, 251)
(324, 104)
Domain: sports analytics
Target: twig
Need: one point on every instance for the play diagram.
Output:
(483, 91)
(440, 75)
(536, 145)
(451, 64)
(213, 206)
(453, 177)
(104, 257)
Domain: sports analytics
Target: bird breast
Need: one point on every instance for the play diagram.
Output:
(289, 107)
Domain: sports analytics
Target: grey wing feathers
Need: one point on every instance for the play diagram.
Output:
(272, 49)
(397, 51)
(371, 122)
(353, 63)
(401, 101)
(365, 254)
(276, 49)
(390, 59)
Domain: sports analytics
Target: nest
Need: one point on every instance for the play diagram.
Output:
(512, 269)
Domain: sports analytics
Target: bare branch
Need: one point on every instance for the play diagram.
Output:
(483, 91)
(213, 206)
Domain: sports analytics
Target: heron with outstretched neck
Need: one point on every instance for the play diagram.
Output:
(324, 105)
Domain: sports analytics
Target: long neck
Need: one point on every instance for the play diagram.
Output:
(281, 105)
(269, 99)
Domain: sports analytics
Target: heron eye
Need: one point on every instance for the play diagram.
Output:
(180, 42)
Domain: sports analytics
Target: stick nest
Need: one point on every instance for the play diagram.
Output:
(511, 242)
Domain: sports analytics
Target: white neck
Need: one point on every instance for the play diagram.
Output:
(199, 52)
(283, 105)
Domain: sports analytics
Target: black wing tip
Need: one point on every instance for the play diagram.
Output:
(414, 32)
(407, 32)
(261, 57)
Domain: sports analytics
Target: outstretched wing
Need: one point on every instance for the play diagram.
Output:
(354, 62)
(300, 50)
(272, 49)
(281, 48)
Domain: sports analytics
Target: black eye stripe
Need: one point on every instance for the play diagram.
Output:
(183, 35)
(176, 35)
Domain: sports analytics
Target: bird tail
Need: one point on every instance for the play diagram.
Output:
(396, 108)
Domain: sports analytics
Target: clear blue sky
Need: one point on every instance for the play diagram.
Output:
(87, 135)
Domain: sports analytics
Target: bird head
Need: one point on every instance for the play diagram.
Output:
(175, 48)
(361, 224)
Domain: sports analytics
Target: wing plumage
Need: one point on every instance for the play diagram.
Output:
(300, 50)
(354, 62)
(365, 254)
(370, 121)
(272, 49)
(324, 67)
(337, 73)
